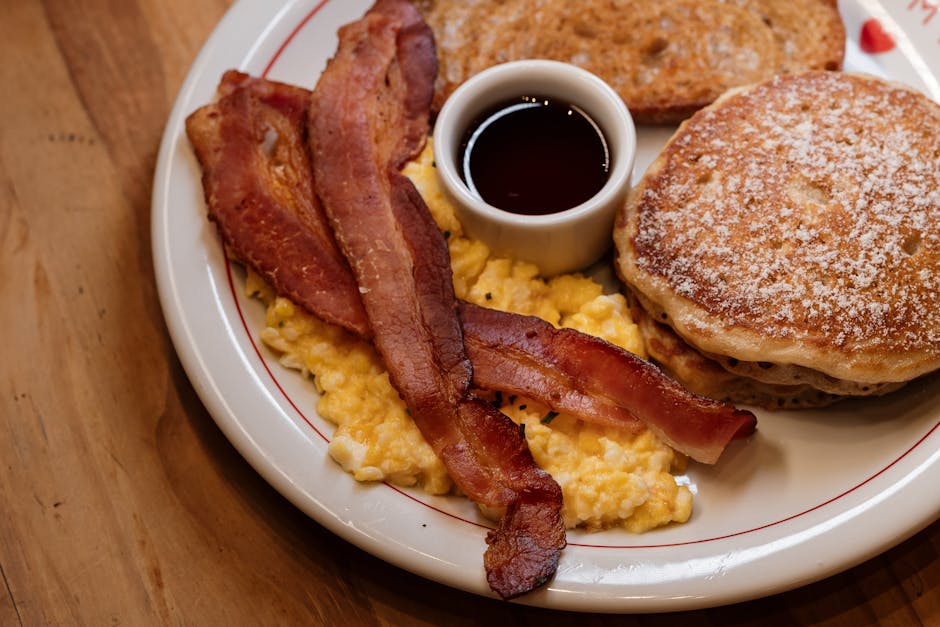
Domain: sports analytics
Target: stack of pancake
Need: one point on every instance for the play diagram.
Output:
(784, 248)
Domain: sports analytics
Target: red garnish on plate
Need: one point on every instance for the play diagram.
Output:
(873, 39)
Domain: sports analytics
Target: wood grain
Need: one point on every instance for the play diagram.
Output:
(123, 504)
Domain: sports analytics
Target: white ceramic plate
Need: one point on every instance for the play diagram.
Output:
(811, 494)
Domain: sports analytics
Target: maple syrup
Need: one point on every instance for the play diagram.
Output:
(534, 156)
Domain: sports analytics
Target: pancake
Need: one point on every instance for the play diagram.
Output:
(790, 232)
(707, 377)
(666, 59)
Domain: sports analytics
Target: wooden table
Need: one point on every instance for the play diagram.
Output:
(122, 501)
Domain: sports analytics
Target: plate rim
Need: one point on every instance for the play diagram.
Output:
(185, 335)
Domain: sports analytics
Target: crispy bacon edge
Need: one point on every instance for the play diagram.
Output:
(368, 116)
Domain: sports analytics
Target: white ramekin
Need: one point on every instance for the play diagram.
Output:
(560, 242)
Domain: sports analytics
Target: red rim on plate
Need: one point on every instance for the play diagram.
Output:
(268, 412)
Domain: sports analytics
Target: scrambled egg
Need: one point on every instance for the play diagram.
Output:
(608, 477)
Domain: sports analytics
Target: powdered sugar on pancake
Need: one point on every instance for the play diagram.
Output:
(805, 209)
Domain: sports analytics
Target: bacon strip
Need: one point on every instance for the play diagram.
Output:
(586, 376)
(258, 183)
(597, 382)
(590, 378)
(368, 116)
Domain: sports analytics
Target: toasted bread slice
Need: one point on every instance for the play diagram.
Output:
(791, 231)
(666, 59)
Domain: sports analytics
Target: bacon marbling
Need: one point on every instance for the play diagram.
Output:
(368, 115)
